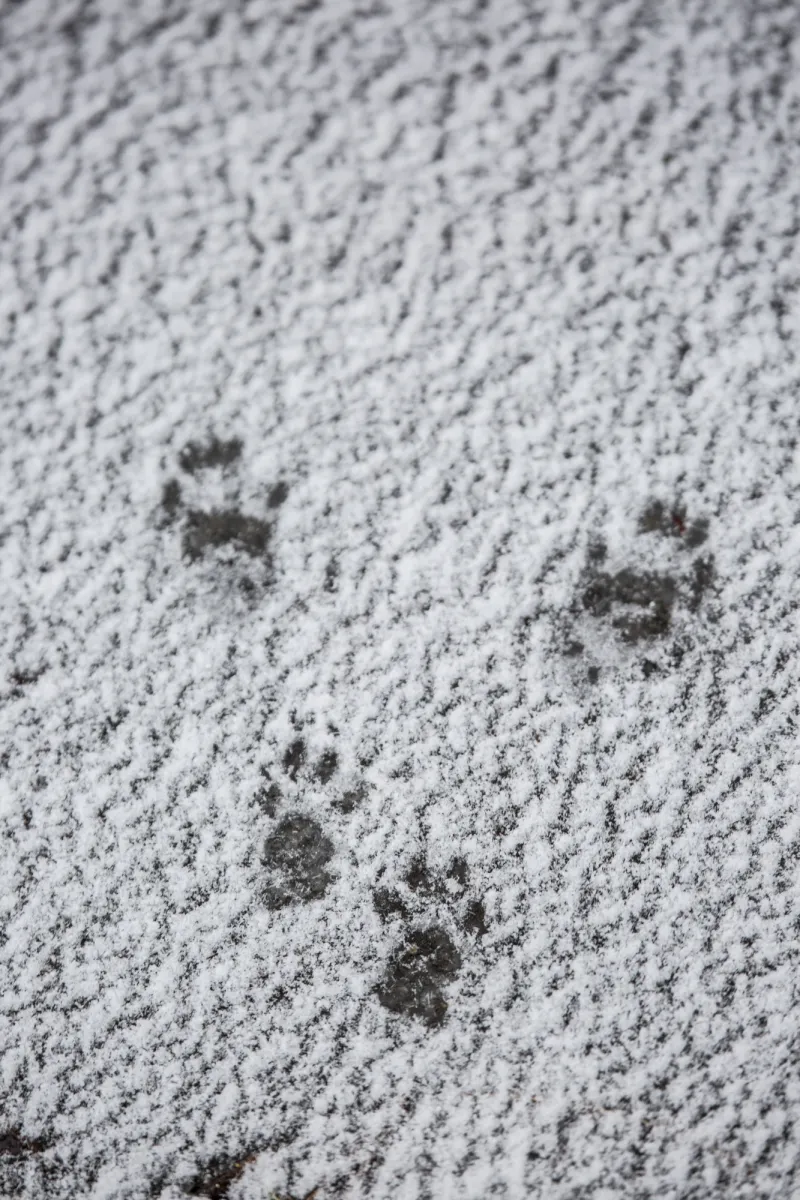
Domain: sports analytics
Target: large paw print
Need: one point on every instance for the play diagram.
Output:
(638, 605)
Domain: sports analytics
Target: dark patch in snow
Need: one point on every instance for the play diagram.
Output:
(24, 676)
(326, 766)
(673, 522)
(351, 799)
(418, 877)
(475, 919)
(216, 1178)
(170, 500)
(294, 758)
(458, 875)
(646, 599)
(297, 853)
(225, 527)
(215, 453)
(388, 903)
(278, 494)
(14, 1145)
(268, 798)
(331, 576)
(414, 982)
(702, 577)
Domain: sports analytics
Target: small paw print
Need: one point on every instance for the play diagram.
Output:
(427, 960)
(639, 605)
(298, 853)
(223, 529)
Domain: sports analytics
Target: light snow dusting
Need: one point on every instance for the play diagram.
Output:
(399, 591)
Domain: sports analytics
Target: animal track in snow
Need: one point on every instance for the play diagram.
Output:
(225, 528)
(640, 605)
(426, 960)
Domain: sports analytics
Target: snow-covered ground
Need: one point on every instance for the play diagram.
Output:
(399, 581)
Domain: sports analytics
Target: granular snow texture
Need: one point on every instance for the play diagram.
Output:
(399, 578)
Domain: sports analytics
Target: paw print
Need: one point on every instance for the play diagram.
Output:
(219, 528)
(638, 606)
(297, 853)
(426, 960)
